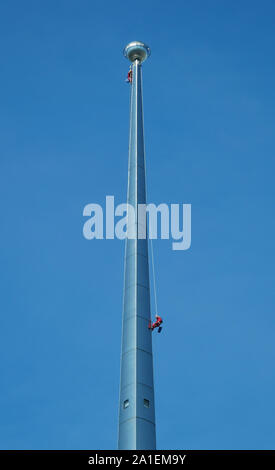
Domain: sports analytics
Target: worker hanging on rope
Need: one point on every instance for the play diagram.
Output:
(129, 76)
(156, 324)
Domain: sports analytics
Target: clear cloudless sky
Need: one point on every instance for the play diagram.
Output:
(209, 102)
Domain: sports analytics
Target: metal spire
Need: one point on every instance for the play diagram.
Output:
(136, 402)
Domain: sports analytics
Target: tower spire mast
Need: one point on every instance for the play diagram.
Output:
(136, 401)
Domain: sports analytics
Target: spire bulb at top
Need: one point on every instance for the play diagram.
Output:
(136, 50)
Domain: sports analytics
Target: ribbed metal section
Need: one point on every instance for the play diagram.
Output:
(136, 403)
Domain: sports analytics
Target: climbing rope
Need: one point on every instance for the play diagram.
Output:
(154, 277)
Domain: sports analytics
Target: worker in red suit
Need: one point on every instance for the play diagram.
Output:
(156, 324)
(130, 76)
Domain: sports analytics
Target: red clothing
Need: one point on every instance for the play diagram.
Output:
(130, 76)
(157, 323)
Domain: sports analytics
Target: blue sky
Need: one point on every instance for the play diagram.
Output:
(209, 116)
